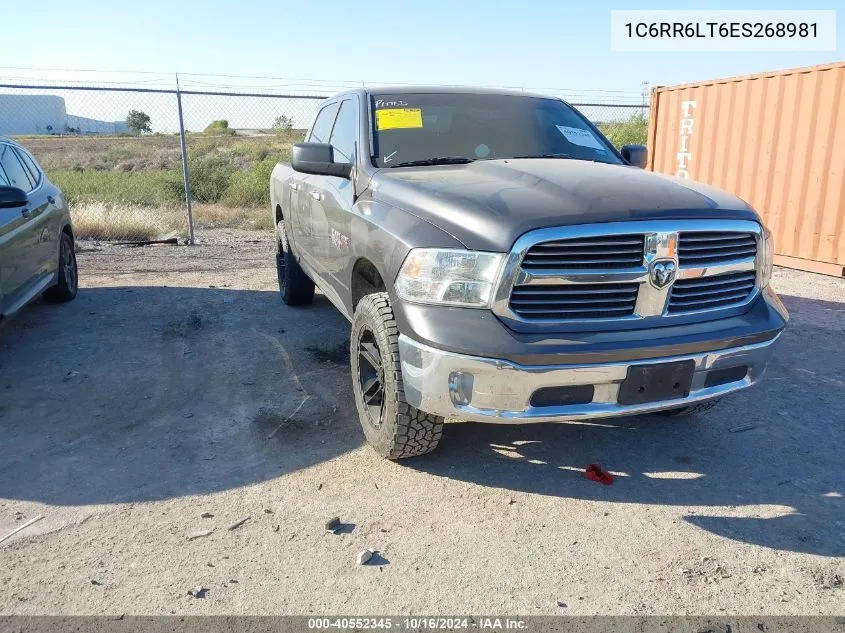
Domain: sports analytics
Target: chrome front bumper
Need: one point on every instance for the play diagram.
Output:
(471, 388)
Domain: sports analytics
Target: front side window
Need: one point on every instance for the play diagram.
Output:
(343, 134)
(15, 171)
(323, 124)
(413, 128)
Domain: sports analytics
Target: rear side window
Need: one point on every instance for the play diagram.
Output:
(16, 173)
(343, 134)
(33, 169)
(323, 125)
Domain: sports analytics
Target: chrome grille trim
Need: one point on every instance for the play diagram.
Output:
(727, 243)
(707, 293)
(622, 251)
(710, 247)
(575, 301)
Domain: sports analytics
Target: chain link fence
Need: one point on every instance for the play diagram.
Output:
(116, 153)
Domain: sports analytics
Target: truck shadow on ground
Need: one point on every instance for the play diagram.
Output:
(145, 393)
(779, 484)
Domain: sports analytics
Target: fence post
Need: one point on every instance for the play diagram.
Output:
(185, 174)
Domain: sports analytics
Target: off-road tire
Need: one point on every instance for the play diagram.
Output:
(402, 430)
(692, 409)
(294, 285)
(67, 274)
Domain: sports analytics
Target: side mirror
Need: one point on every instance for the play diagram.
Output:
(636, 155)
(12, 198)
(318, 158)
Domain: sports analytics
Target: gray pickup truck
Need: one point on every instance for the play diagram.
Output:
(501, 261)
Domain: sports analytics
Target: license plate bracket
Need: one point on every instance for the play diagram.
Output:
(657, 381)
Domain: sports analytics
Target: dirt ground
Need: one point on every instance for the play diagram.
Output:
(177, 395)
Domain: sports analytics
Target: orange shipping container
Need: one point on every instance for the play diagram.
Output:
(777, 140)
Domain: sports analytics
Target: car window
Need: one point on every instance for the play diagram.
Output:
(343, 134)
(16, 173)
(323, 125)
(29, 163)
(468, 126)
(3, 179)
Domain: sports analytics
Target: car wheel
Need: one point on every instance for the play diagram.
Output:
(394, 428)
(692, 409)
(67, 274)
(294, 285)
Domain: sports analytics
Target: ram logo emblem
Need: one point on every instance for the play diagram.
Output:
(662, 273)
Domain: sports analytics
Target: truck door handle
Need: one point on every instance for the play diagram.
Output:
(294, 186)
(316, 195)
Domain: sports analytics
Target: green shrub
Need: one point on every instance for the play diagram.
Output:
(138, 187)
(209, 177)
(219, 127)
(251, 187)
(632, 131)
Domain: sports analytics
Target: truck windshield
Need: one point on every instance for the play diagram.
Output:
(453, 128)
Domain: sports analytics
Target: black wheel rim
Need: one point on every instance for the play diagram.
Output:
(371, 376)
(68, 266)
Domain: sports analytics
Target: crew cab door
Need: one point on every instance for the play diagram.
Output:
(306, 198)
(337, 197)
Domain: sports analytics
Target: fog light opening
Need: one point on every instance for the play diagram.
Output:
(460, 387)
(718, 377)
(562, 396)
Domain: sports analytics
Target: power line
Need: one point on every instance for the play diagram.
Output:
(287, 82)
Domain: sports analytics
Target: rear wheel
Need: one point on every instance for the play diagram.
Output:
(294, 285)
(394, 428)
(692, 409)
(67, 274)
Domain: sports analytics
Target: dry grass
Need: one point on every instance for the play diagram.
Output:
(77, 153)
(129, 222)
(130, 188)
(125, 221)
(215, 216)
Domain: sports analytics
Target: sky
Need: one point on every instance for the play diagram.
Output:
(322, 46)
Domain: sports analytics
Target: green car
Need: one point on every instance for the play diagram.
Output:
(36, 236)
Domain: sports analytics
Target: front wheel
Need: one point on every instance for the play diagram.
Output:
(394, 428)
(67, 274)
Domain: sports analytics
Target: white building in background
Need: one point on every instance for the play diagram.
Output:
(46, 114)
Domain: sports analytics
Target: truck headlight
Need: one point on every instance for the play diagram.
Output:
(768, 258)
(449, 277)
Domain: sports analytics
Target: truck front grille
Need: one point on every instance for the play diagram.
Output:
(576, 301)
(714, 247)
(616, 276)
(708, 293)
(608, 251)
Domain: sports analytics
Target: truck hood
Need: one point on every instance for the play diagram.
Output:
(487, 205)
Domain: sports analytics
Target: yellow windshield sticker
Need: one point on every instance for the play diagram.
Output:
(398, 118)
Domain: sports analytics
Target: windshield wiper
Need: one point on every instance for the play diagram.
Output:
(549, 156)
(567, 157)
(440, 160)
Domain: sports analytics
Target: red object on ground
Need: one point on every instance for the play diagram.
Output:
(597, 473)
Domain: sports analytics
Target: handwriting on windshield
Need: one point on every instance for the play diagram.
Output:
(380, 103)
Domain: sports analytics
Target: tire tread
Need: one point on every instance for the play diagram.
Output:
(414, 432)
